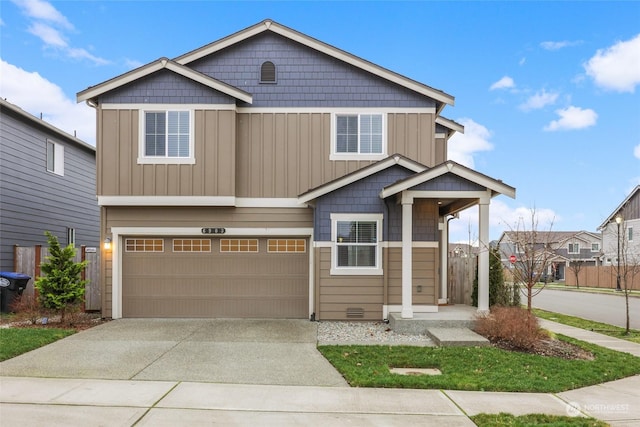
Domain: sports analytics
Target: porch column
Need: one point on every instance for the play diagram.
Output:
(483, 255)
(444, 263)
(407, 262)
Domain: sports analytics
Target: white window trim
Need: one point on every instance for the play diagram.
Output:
(356, 271)
(570, 245)
(58, 157)
(145, 160)
(630, 234)
(357, 156)
(597, 248)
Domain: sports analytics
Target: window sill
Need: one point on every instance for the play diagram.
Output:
(166, 161)
(354, 156)
(356, 272)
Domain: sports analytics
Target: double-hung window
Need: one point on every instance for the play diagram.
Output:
(358, 136)
(166, 136)
(574, 248)
(356, 244)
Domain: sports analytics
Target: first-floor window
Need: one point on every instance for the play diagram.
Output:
(356, 248)
(630, 234)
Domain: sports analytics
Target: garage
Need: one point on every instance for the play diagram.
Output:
(217, 277)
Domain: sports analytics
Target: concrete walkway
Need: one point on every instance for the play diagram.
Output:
(86, 402)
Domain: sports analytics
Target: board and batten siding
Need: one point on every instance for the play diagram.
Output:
(197, 217)
(286, 154)
(32, 199)
(213, 173)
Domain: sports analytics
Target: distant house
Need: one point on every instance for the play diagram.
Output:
(566, 248)
(269, 174)
(628, 238)
(47, 182)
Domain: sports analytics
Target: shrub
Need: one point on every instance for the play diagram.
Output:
(513, 326)
(500, 293)
(27, 308)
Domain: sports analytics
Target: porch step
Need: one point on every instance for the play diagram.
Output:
(461, 317)
(448, 337)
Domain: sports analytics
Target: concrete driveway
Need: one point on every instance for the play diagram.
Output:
(239, 351)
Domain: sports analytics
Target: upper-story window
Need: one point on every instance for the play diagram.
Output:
(55, 158)
(630, 236)
(595, 247)
(166, 136)
(358, 136)
(574, 248)
(268, 72)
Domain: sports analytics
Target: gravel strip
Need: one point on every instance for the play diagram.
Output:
(366, 333)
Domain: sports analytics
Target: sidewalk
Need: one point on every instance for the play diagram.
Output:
(86, 402)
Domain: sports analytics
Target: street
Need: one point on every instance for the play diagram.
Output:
(603, 308)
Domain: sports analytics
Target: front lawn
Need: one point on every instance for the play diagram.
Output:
(589, 325)
(16, 341)
(508, 420)
(478, 368)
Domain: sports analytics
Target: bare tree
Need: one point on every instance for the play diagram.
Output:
(575, 266)
(533, 253)
(627, 265)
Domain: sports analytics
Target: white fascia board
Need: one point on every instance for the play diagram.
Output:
(259, 202)
(197, 231)
(166, 201)
(387, 110)
(363, 173)
(120, 81)
(449, 124)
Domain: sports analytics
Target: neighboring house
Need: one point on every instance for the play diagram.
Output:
(628, 238)
(565, 248)
(47, 183)
(269, 174)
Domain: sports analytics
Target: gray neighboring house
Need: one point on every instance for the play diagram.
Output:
(629, 213)
(567, 247)
(47, 182)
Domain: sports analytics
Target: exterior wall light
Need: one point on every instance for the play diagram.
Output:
(107, 243)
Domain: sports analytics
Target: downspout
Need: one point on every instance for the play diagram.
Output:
(385, 277)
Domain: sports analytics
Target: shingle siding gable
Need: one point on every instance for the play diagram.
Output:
(165, 87)
(305, 77)
(449, 182)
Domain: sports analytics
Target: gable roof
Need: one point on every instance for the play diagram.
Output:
(620, 207)
(34, 121)
(373, 168)
(552, 236)
(496, 186)
(157, 65)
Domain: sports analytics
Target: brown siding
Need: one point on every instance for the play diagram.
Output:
(286, 154)
(425, 267)
(213, 174)
(441, 151)
(339, 293)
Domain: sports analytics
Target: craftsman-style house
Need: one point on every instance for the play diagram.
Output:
(269, 174)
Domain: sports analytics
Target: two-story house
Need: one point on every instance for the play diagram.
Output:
(269, 174)
(47, 183)
(621, 232)
(565, 250)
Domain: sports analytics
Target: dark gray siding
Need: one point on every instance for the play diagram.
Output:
(33, 200)
(362, 197)
(305, 77)
(449, 182)
(166, 87)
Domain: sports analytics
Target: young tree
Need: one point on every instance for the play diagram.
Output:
(575, 266)
(627, 265)
(531, 247)
(61, 287)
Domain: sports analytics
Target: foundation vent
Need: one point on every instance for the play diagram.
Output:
(355, 313)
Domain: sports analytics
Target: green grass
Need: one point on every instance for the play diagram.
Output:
(478, 368)
(603, 328)
(508, 420)
(16, 341)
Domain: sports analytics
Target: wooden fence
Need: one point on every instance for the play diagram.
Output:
(461, 274)
(600, 277)
(27, 260)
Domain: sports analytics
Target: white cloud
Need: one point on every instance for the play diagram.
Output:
(504, 83)
(49, 25)
(636, 151)
(36, 95)
(539, 100)
(559, 45)
(617, 67)
(43, 11)
(573, 118)
(502, 218)
(462, 146)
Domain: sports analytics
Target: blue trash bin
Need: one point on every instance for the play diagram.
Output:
(11, 286)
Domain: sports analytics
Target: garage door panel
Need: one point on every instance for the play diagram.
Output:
(215, 284)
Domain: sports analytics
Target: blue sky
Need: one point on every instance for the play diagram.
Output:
(547, 91)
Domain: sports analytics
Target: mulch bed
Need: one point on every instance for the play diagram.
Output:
(550, 348)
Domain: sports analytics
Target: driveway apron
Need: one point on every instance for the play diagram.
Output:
(239, 351)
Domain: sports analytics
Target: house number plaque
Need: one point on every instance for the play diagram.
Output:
(213, 230)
